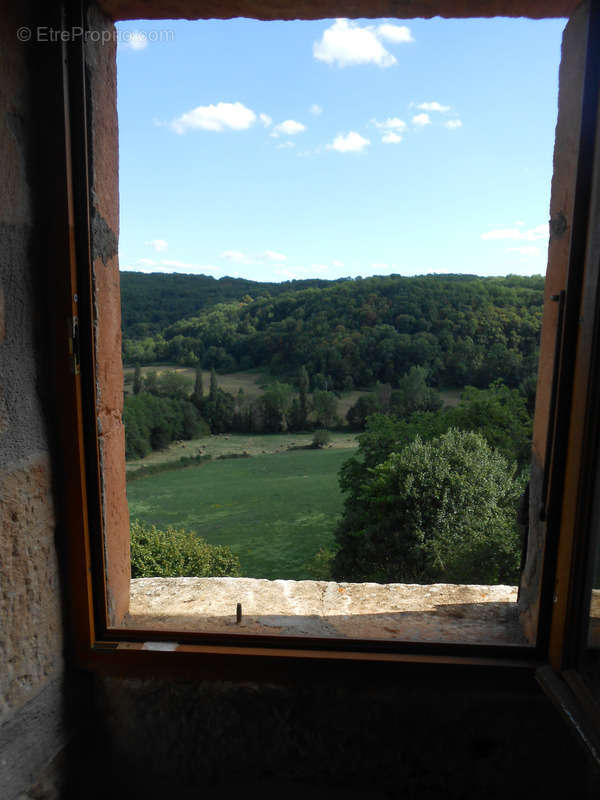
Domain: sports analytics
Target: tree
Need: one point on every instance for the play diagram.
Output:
(198, 392)
(214, 386)
(443, 510)
(325, 408)
(303, 387)
(137, 379)
(366, 405)
(276, 402)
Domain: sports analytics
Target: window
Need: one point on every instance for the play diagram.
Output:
(92, 433)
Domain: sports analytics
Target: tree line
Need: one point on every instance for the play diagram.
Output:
(465, 330)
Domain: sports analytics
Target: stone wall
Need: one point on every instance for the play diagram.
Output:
(32, 724)
(429, 734)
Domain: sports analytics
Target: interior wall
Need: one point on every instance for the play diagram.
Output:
(33, 723)
(426, 736)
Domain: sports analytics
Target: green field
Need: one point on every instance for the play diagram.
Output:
(275, 510)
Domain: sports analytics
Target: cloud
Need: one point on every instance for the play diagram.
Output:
(273, 255)
(433, 106)
(316, 109)
(398, 34)
(390, 124)
(236, 257)
(219, 117)
(165, 265)
(134, 40)
(286, 273)
(538, 233)
(288, 128)
(285, 145)
(453, 124)
(420, 120)
(160, 245)
(524, 251)
(336, 263)
(346, 44)
(179, 265)
(265, 119)
(391, 138)
(350, 142)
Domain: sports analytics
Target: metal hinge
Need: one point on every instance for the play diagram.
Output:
(73, 338)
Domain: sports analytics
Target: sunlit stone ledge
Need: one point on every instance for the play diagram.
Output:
(438, 612)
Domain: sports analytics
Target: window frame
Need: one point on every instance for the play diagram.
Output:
(97, 645)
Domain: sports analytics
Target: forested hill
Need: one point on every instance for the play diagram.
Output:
(150, 302)
(463, 329)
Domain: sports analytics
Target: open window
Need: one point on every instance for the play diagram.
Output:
(556, 588)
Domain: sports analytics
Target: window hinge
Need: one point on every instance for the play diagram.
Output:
(73, 338)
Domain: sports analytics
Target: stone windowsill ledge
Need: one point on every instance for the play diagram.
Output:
(410, 612)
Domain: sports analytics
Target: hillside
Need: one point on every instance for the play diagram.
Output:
(464, 329)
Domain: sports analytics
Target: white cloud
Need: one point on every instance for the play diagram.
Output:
(453, 124)
(524, 251)
(421, 120)
(346, 44)
(134, 40)
(391, 138)
(539, 232)
(288, 128)
(265, 119)
(316, 109)
(165, 265)
(273, 255)
(236, 257)
(350, 142)
(219, 117)
(391, 124)
(160, 245)
(433, 106)
(286, 273)
(177, 266)
(398, 34)
(285, 145)
(336, 263)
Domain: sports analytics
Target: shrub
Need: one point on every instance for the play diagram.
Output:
(320, 439)
(176, 553)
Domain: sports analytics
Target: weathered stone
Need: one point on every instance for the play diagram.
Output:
(30, 613)
(324, 9)
(408, 612)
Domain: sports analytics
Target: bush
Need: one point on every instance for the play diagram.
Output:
(320, 439)
(176, 553)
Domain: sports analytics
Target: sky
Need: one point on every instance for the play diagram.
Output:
(334, 148)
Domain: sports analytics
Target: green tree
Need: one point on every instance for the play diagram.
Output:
(324, 408)
(198, 393)
(443, 510)
(214, 386)
(276, 403)
(303, 387)
(137, 379)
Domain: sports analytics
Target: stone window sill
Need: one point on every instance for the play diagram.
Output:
(451, 613)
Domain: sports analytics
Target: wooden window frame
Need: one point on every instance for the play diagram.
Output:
(97, 646)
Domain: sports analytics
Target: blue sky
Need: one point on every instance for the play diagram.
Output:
(278, 150)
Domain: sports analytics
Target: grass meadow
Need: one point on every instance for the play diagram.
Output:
(275, 510)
